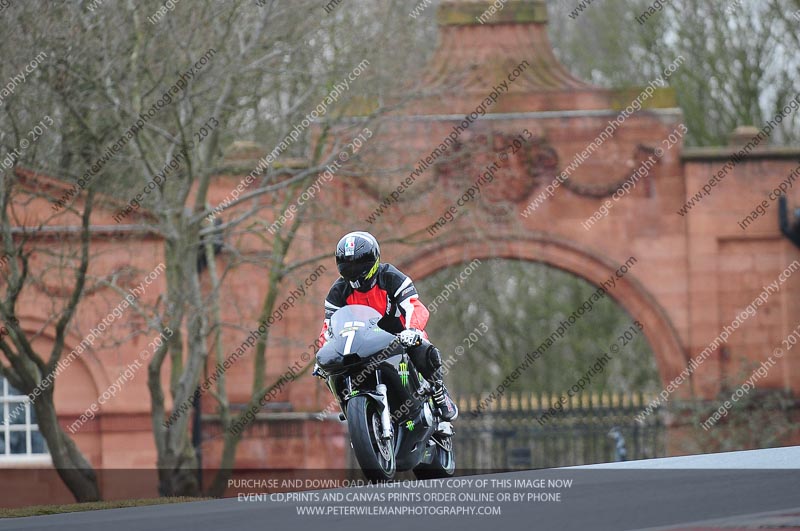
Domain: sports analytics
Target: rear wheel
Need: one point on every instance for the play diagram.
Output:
(443, 464)
(375, 455)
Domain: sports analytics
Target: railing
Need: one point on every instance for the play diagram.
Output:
(510, 432)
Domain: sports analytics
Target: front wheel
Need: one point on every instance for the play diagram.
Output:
(375, 456)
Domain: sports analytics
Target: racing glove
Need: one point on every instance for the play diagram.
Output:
(410, 338)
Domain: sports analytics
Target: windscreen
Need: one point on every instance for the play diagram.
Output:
(352, 315)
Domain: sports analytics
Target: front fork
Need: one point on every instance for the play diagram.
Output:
(382, 396)
(386, 421)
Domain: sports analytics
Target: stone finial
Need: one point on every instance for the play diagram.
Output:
(471, 12)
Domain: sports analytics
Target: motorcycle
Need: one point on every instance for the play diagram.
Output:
(387, 404)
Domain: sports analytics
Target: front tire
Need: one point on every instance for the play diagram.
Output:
(374, 455)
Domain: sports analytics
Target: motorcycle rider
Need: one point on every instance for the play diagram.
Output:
(364, 280)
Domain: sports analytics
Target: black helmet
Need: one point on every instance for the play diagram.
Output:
(357, 258)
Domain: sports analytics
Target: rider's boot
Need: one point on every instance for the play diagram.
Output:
(445, 405)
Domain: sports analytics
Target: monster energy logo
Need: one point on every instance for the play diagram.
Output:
(403, 372)
(410, 425)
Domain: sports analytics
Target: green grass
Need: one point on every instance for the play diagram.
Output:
(38, 510)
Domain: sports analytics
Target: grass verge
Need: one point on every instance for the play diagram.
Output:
(38, 510)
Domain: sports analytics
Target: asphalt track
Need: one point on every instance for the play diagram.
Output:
(739, 490)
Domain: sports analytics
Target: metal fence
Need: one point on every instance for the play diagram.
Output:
(511, 434)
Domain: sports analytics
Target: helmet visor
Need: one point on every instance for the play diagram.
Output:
(352, 271)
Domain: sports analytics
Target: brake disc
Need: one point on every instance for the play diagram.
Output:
(383, 445)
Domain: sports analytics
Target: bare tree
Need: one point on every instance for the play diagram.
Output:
(161, 97)
(739, 69)
(26, 367)
(42, 246)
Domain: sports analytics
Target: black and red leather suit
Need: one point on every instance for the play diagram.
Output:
(395, 298)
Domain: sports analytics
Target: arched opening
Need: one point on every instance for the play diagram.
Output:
(670, 356)
(487, 315)
(549, 368)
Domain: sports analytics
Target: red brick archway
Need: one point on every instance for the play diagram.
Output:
(576, 259)
(695, 271)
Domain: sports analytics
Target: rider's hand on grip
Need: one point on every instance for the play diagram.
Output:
(411, 337)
